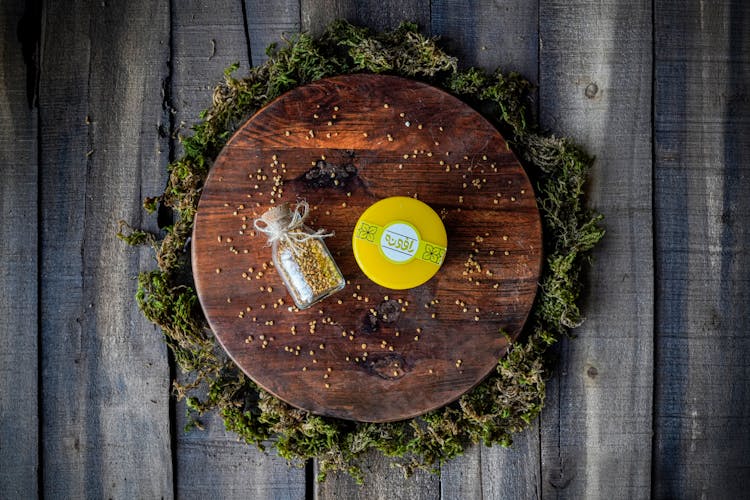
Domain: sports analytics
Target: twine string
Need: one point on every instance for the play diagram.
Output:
(289, 233)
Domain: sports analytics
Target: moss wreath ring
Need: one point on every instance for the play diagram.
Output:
(509, 398)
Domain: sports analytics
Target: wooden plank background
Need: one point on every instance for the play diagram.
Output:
(702, 204)
(19, 343)
(650, 399)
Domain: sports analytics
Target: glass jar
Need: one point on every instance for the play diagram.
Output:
(300, 255)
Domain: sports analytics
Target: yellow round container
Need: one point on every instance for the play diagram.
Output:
(399, 242)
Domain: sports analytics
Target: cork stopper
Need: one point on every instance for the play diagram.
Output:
(277, 214)
(274, 220)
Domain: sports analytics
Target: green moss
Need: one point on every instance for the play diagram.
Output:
(504, 403)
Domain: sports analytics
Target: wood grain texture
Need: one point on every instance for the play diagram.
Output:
(213, 463)
(105, 383)
(594, 86)
(496, 472)
(103, 145)
(702, 193)
(19, 423)
(382, 481)
(492, 35)
(269, 23)
(400, 345)
(314, 16)
(206, 38)
(377, 16)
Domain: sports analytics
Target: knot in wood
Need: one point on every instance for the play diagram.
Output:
(326, 175)
(387, 366)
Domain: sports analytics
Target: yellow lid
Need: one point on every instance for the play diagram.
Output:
(399, 242)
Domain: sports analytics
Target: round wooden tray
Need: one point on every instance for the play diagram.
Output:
(368, 353)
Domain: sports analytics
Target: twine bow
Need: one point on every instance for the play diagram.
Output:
(285, 225)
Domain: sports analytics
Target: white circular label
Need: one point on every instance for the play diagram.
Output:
(399, 242)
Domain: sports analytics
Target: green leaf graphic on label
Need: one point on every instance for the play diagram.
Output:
(400, 242)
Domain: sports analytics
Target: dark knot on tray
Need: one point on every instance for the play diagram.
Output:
(387, 311)
(387, 366)
(326, 174)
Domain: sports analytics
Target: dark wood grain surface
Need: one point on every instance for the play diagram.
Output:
(702, 208)
(369, 353)
(214, 460)
(658, 91)
(19, 343)
(493, 35)
(593, 437)
(100, 150)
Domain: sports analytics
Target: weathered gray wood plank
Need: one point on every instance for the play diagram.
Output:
(387, 14)
(206, 38)
(496, 472)
(595, 86)
(702, 204)
(381, 480)
(213, 464)
(105, 410)
(492, 35)
(19, 423)
(270, 22)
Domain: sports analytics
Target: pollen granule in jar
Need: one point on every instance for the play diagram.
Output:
(299, 254)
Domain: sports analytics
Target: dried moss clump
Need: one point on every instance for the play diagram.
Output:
(510, 398)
